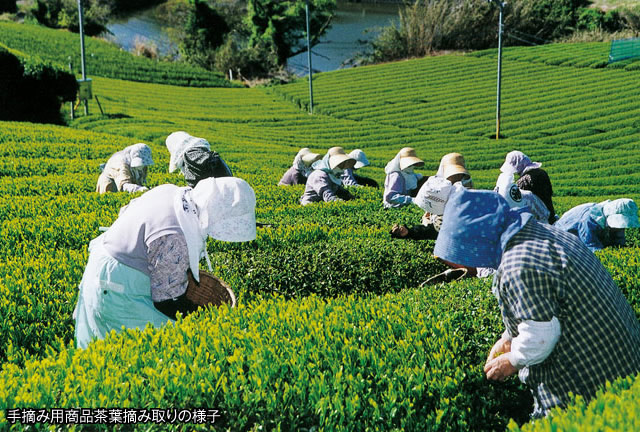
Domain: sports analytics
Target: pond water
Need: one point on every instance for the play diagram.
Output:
(143, 26)
(353, 23)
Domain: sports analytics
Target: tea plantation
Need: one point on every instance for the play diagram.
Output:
(331, 332)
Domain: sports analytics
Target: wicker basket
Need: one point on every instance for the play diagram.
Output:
(210, 290)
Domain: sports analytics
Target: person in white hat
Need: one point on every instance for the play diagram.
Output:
(194, 158)
(601, 225)
(432, 198)
(126, 170)
(532, 188)
(401, 183)
(301, 168)
(350, 178)
(324, 183)
(137, 272)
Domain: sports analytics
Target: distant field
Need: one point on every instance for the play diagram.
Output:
(612, 4)
(102, 58)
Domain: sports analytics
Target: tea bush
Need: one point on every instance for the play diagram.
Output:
(613, 408)
(32, 90)
(102, 58)
(393, 362)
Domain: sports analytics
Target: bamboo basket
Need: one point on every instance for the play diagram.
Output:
(210, 291)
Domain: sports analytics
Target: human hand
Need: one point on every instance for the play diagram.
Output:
(499, 368)
(399, 231)
(503, 345)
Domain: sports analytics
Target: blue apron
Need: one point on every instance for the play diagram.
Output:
(112, 296)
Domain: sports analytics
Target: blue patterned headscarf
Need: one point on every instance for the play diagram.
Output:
(476, 227)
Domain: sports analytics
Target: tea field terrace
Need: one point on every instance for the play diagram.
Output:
(340, 310)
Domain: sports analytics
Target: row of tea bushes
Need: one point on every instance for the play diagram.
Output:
(406, 361)
(103, 58)
(554, 105)
(614, 408)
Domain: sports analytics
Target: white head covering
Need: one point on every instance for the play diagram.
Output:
(178, 143)
(222, 208)
(138, 155)
(323, 165)
(518, 162)
(621, 213)
(410, 178)
(433, 195)
(361, 159)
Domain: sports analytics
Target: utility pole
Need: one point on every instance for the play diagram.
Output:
(309, 63)
(501, 5)
(84, 71)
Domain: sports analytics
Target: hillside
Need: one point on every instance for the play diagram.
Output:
(332, 332)
(102, 58)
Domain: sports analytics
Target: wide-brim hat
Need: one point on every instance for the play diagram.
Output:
(361, 159)
(309, 157)
(452, 164)
(476, 226)
(338, 158)
(621, 213)
(409, 158)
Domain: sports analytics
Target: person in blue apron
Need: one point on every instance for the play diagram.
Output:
(601, 225)
(137, 272)
(194, 158)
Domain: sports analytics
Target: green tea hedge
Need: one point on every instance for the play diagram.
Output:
(32, 90)
(393, 362)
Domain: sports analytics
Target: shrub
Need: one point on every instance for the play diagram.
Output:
(8, 6)
(31, 90)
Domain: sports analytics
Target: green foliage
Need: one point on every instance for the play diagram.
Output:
(207, 30)
(392, 362)
(32, 90)
(280, 25)
(428, 26)
(197, 28)
(614, 408)
(102, 58)
(64, 14)
(8, 6)
(594, 19)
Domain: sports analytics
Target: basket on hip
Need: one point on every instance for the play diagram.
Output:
(211, 290)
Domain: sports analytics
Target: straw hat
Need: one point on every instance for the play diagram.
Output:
(452, 164)
(361, 159)
(308, 157)
(409, 158)
(338, 158)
